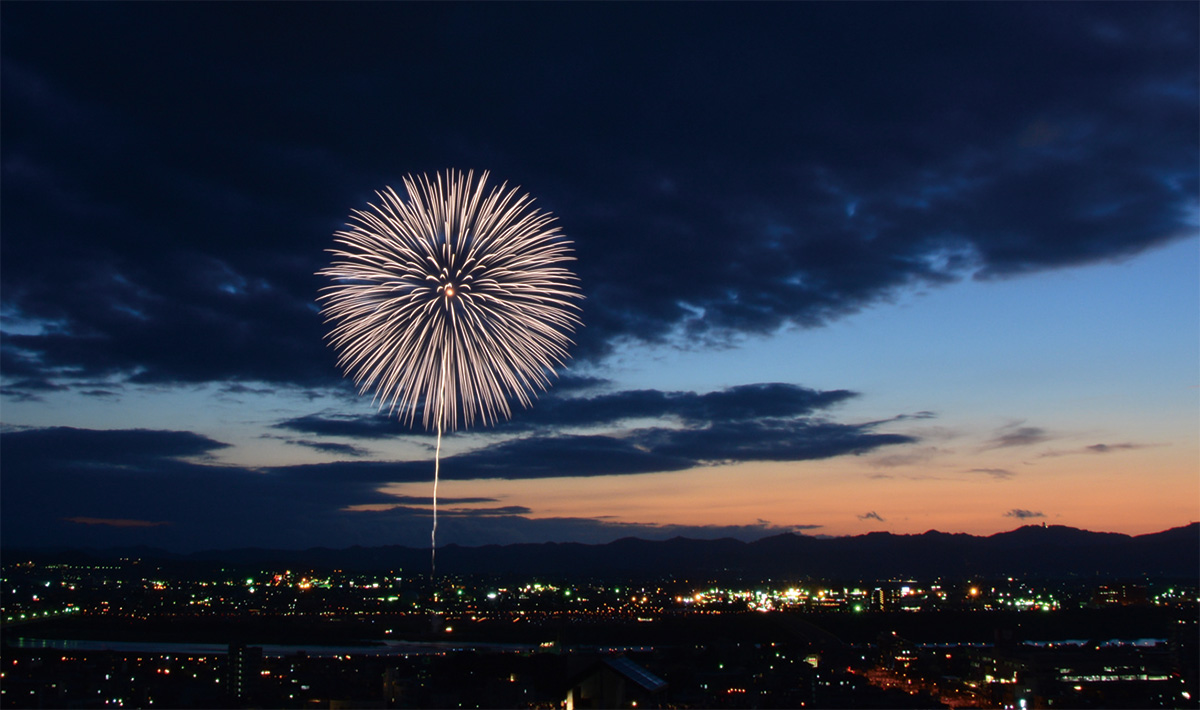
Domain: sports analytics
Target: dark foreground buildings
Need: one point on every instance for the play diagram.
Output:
(127, 637)
(729, 670)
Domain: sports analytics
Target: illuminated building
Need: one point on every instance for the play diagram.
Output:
(245, 664)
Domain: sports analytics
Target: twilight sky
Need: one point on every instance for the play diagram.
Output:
(847, 267)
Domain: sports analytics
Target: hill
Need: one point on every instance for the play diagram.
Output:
(1040, 551)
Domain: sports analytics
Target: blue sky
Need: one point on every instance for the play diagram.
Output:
(847, 267)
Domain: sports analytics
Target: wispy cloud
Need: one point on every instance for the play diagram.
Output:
(871, 516)
(1109, 448)
(1097, 449)
(997, 473)
(416, 503)
(909, 456)
(116, 522)
(1016, 435)
(330, 447)
(1022, 514)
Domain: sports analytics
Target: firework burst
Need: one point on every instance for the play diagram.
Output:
(450, 302)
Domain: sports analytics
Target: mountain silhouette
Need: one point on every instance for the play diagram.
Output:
(1053, 551)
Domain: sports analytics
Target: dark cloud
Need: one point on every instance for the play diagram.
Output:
(1023, 514)
(413, 502)
(653, 450)
(355, 426)
(238, 388)
(59, 478)
(18, 394)
(762, 422)
(740, 403)
(802, 166)
(27, 389)
(916, 415)
(330, 447)
(116, 523)
(568, 382)
(56, 480)
(486, 512)
(38, 384)
(759, 422)
(767, 440)
(361, 473)
(871, 516)
(997, 473)
(154, 498)
(566, 456)
(423, 513)
(124, 448)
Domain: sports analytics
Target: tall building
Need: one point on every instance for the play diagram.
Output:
(245, 665)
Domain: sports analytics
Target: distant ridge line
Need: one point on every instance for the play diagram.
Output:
(1031, 550)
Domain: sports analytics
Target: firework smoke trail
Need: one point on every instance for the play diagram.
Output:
(450, 302)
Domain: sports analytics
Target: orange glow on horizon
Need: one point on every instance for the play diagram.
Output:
(1132, 492)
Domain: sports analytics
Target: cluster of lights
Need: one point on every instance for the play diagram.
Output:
(855, 599)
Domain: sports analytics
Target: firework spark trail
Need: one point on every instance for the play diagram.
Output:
(437, 464)
(452, 302)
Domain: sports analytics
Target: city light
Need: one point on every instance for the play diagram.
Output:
(386, 605)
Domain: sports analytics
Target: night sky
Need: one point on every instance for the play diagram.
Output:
(847, 267)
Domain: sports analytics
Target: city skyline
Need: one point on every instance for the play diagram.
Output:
(846, 268)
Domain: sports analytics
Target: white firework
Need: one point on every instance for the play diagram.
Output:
(451, 302)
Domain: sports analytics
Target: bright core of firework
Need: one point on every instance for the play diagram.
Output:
(451, 300)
